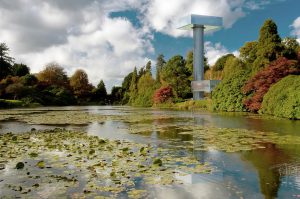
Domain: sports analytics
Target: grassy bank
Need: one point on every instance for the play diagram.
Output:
(188, 105)
(16, 104)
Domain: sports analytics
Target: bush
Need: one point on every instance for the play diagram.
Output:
(163, 95)
(283, 98)
(227, 96)
(259, 85)
(10, 103)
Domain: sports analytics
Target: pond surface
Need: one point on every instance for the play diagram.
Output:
(271, 171)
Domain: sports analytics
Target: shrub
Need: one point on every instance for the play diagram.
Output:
(283, 98)
(259, 85)
(227, 96)
(163, 95)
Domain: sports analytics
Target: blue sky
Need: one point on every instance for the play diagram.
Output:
(108, 38)
(245, 29)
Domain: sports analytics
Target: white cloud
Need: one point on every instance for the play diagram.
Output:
(214, 51)
(296, 28)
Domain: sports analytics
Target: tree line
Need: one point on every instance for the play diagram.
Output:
(246, 79)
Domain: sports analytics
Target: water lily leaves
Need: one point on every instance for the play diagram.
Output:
(157, 162)
(41, 164)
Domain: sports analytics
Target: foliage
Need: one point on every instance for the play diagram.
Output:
(79, 82)
(10, 103)
(20, 70)
(5, 61)
(219, 65)
(146, 88)
(227, 96)
(283, 98)
(116, 95)
(248, 52)
(176, 75)
(291, 48)
(269, 46)
(100, 94)
(53, 74)
(29, 80)
(259, 85)
(163, 95)
(133, 86)
(160, 62)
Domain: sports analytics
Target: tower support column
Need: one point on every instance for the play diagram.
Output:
(198, 35)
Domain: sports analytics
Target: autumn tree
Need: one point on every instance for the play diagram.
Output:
(79, 82)
(53, 74)
(163, 95)
(5, 61)
(258, 85)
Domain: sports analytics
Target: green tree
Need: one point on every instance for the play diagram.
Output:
(248, 52)
(148, 67)
(160, 62)
(79, 82)
(146, 87)
(219, 65)
(20, 70)
(5, 61)
(291, 48)
(227, 96)
(177, 76)
(100, 94)
(269, 46)
(116, 95)
(133, 86)
(53, 74)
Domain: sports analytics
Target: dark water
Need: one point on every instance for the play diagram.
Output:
(273, 172)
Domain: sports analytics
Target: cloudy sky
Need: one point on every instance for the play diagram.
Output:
(107, 38)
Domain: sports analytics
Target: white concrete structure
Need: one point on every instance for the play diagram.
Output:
(199, 24)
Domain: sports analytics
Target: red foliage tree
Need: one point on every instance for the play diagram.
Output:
(163, 94)
(259, 85)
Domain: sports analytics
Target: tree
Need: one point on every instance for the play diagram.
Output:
(291, 48)
(20, 70)
(116, 95)
(269, 46)
(79, 82)
(258, 85)
(248, 52)
(133, 86)
(160, 62)
(100, 93)
(282, 99)
(146, 87)
(53, 74)
(148, 67)
(29, 80)
(219, 65)
(163, 95)
(5, 61)
(176, 75)
(227, 96)
(17, 90)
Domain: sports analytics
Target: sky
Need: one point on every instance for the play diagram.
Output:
(108, 38)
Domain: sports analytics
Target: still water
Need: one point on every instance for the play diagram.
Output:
(272, 172)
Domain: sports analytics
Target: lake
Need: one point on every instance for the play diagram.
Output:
(267, 167)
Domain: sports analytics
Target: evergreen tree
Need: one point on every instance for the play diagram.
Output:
(148, 67)
(100, 93)
(5, 61)
(133, 86)
(269, 46)
(20, 70)
(160, 62)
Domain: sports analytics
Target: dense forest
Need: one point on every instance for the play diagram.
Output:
(263, 78)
